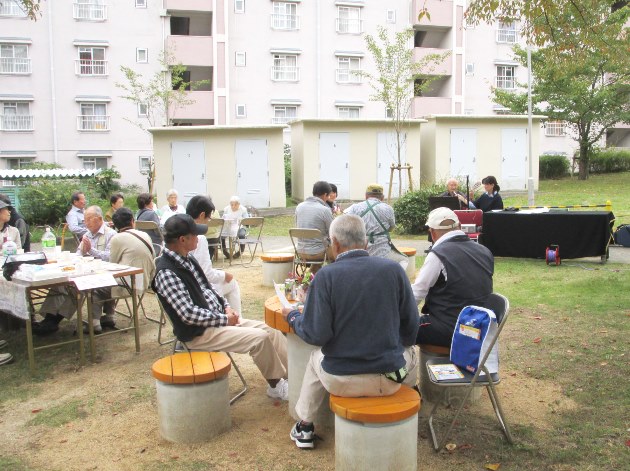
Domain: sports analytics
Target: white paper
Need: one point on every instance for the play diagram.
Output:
(280, 293)
(100, 280)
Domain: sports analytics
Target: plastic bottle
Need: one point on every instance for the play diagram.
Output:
(9, 248)
(49, 241)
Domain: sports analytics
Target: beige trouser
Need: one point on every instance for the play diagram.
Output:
(267, 346)
(317, 382)
(232, 292)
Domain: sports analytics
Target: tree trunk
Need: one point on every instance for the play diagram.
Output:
(583, 161)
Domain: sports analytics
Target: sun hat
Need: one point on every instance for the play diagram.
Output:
(439, 215)
(374, 189)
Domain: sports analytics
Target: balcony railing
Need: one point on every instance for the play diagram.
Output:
(11, 8)
(90, 67)
(285, 74)
(92, 123)
(350, 26)
(16, 122)
(348, 76)
(89, 11)
(555, 128)
(15, 65)
(286, 22)
(505, 83)
(283, 120)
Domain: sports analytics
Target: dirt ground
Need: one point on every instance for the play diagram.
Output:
(116, 425)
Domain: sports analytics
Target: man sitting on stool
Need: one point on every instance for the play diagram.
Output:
(456, 273)
(202, 318)
(362, 313)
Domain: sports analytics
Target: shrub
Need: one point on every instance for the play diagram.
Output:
(553, 166)
(412, 209)
(610, 160)
(47, 201)
(287, 169)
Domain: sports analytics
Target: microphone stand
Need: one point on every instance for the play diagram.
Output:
(467, 192)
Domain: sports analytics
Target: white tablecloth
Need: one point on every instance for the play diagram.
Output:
(13, 299)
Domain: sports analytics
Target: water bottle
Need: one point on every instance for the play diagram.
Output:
(49, 241)
(9, 248)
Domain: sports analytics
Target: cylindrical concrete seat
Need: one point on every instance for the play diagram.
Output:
(430, 392)
(192, 395)
(276, 267)
(376, 432)
(410, 252)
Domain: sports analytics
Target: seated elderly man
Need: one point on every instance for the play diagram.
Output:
(457, 272)
(96, 243)
(202, 318)
(452, 186)
(314, 213)
(360, 310)
(75, 217)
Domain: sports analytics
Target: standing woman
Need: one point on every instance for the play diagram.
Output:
(490, 199)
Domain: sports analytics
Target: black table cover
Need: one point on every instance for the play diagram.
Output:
(577, 233)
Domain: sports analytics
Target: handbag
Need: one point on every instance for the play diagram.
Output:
(476, 327)
(13, 262)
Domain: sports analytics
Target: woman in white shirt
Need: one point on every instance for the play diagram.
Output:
(8, 233)
(172, 207)
(233, 213)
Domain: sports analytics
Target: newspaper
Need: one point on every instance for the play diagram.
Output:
(281, 296)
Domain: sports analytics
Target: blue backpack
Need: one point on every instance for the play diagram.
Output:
(475, 328)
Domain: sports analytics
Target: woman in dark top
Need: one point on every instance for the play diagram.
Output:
(490, 199)
(146, 213)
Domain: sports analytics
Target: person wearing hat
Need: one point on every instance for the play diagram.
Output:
(8, 233)
(314, 213)
(379, 220)
(18, 221)
(202, 318)
(457, 272)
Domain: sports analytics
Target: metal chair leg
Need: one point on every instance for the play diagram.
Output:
(163, 324)
(240, 375)
(498, 410)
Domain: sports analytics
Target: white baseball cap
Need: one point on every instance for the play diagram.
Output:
(439, 215)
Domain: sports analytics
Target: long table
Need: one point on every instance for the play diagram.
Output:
(577, 233)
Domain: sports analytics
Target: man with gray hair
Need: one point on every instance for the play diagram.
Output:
(314, 213)
(457, 272)
(452, 189)
(360, 310)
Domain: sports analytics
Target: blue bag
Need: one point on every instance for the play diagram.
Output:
(475, 328)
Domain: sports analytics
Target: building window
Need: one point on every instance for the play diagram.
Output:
(506, 33)
(239, 6)
(94, 163)
(14, 59)
(349, 20)
(18, 163)
(143, 110)
(285, 68)
(142, 55)
(470, 68)
(141, 3)
(391, 16)
(145, 163)
(348, 69)
(16, 116)
(93, 117)
(283, 114)
(11, 8)
(241, 111)
(91, 62)
(284, 16)
(240, 59)
(389, 113)
(555, 128)
(89, 10)
(348, 112)
(505, 77)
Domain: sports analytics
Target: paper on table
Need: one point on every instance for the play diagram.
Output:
(280, 293)
(99, 280)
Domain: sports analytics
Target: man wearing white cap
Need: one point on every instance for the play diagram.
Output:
(456, 273)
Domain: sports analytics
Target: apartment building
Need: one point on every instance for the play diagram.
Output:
(260, 62)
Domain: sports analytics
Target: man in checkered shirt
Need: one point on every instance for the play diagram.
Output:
(202, 318)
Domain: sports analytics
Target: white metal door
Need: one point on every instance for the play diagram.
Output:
(252, 172)
(334, 158)
(464, 153)
(514, 159)
(387, 155)
(189, 169)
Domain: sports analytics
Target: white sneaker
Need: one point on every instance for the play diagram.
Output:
(281, 391)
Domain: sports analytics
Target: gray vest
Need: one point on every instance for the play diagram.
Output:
(469, 268)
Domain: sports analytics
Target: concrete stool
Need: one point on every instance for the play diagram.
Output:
(430, 392)
(379, 433)
(192, 395)
(276, 267)
(410, 252)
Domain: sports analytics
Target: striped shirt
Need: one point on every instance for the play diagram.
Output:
(313, 213)
(170, 286)
(378, 245)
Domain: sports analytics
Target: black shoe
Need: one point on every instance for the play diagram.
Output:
(226, 254)
(108, 323)
(236, 255)
(49, 325)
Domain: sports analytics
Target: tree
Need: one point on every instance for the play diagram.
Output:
(30, 7)
(393, 82)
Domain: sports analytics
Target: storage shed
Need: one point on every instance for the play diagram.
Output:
(221, 161)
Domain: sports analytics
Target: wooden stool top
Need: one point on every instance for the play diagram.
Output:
(377, 410)
(277, 258)
(273, 315)
(191, 368)
(408, 251)
(435, 349)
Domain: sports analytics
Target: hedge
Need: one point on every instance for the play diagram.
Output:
(412, 209)
(552, 167)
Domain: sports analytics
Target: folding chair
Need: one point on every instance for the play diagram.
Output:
(254, 227)
(215, 227)
(151, 227)
(300, 263)
(73, 242)
(501, 307)
(175, 342)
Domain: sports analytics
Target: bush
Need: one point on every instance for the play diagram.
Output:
(611, 160)
(552, 167)
(287, 169)
(412, 209)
